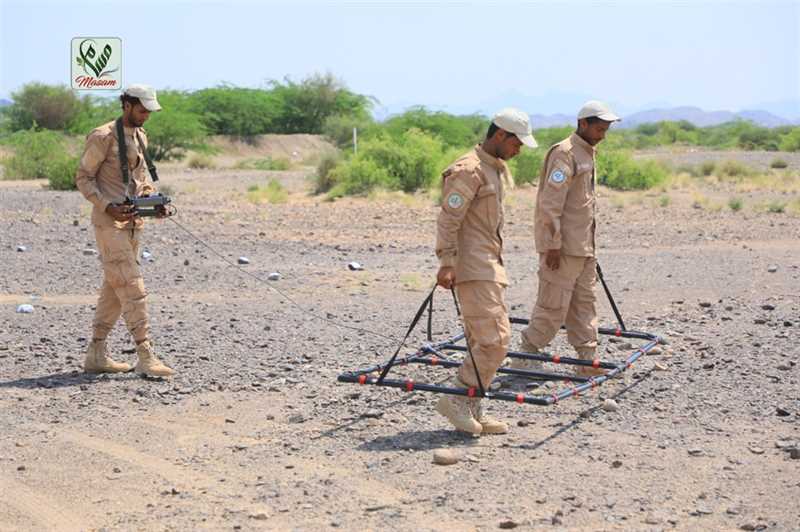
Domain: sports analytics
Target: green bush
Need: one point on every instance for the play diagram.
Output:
(791, 140)
(174, 129)
(357, 176)
(408, 163)
(273, 193)
(93, 112)
(735, 204)
(527, 166)
(324, 178)
(339, 129)
(227, 110)
(201, 160)
(452, 130)
(778, 163)
(734, 169)
(707, 168)
(41, 155)
(619, 171)
(46, 106)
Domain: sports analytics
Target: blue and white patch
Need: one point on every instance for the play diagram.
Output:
(455, 201)
(558, 177)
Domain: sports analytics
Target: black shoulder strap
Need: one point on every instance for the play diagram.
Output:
(123, 157)
(123, 152)
(150, 166)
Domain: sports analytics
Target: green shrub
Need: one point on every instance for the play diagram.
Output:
(357, 176)
(778, 163)
(339, 129)
(735, 204)
(707, 168)
(791, 140)
(201, 161)
(619, 171)
(41, 155)
(323, 178)
(664, 200)
(775, 206)
(174, 129)
(527, 166)
(734, 169)
(452, 130)
(267, 164)
(409, 162)
(273, 193)
(46, 106)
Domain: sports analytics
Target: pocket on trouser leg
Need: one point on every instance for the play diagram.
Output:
(551, 296)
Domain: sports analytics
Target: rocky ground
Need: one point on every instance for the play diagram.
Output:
(255, 433)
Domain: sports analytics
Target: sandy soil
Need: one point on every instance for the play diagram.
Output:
(254, 433)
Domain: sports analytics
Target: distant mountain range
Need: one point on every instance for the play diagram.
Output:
(695, 115)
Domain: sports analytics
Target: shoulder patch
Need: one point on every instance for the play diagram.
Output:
(557, 177)
(454, 200)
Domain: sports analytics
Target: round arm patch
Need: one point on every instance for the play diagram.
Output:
(454, 200)
(557, 177)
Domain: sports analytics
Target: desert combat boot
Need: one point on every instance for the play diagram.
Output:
(489, 425)
(527, 364)
(588, 371)
(149, 364)
(457, 409)
(98, 361)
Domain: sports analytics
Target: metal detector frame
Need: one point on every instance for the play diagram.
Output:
(432, 354)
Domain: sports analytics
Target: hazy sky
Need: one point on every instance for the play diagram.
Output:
(546, 56)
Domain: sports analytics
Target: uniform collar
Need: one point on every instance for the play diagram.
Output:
(577, 140)
(488, 159)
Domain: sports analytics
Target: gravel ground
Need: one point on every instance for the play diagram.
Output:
(255, 433)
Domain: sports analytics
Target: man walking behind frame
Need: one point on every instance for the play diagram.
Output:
(469, 246)
(105, 182)
(564, 227)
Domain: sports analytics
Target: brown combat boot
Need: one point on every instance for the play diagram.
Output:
(98, 361)
(456, 408)
(489, 425)
(149, 364)
(526, 364)
(588, 371)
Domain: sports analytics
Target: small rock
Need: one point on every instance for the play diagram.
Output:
(787, 324)
(772, 268)
(260, 516)
(767, 306)
(21, 468)
(186, 262)
(445, 457)
(695, 451)
(756, 450)
(610, 405)
(523, 423)
(146, 255)
(794, 453)
(297, 418)
(22, 249)
(274, 276)
(759, 321)
(243, 260)
(655, 350)
(705, 304)
(652, 520)
(508, 524)
(89, 252)
(660, 367)
(372, 414)
(782, 412)
(354, 266)
(785, 444)
(75, 223)
(25, 309)
(616, 464)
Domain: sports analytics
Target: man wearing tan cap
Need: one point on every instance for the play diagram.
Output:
(564, 227)
(469, 247)
(106, 177)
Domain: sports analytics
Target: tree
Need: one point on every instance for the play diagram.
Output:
(47, 106)
(305, 106)
(175, 128)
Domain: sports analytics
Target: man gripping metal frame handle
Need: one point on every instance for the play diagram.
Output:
(469, 246)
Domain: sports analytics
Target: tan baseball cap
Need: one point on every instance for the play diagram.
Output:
(146, 95)
(598, 109)
(516, 122)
